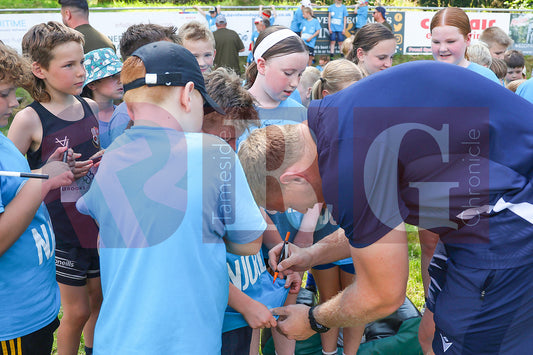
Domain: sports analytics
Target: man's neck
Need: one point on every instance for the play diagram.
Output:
(77, 22)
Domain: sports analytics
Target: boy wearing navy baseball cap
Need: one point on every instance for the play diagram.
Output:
(169, 202)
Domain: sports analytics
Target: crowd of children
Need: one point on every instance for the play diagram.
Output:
(163, 237)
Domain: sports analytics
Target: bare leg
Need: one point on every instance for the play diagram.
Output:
(76, 312)
(329, 284)
(94, 289)
(283, 345)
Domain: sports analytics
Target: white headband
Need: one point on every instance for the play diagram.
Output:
(270, 41)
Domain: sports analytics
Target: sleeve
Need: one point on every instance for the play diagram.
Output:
(238, 42)
(1, 201)
(345, 12)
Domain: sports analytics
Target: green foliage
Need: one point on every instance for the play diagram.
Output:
(518, 4)
(465, 3)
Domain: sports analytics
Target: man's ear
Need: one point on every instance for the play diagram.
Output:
(37, 70)
(292, 178)
(185, 96)
(261, 65)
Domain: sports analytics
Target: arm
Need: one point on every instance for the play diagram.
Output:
(329, 22)
(313, 36)
(382, 272)
(332, 248)
(26, 131)
(19, 213)
(428, 243)
(250, 248)
(255, 313)
(202, 12)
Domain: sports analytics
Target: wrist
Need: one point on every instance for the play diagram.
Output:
(316, 326)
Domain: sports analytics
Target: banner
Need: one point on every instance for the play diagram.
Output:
(521, 31)
(418, 37)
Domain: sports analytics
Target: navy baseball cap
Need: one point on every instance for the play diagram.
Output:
(169, 64)
(382, 10)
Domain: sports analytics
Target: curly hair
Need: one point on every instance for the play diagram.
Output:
(14, 68)
(38, 44)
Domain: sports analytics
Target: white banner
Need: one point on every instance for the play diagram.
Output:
(418, 38)
(113, 24)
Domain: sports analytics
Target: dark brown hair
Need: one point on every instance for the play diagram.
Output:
(367, 38)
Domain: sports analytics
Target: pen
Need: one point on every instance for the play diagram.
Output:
(284, 253)
(24, 175)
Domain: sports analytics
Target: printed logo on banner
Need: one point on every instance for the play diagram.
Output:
(521, 31)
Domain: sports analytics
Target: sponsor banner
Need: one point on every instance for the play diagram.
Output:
(418, 37)
(521, 31)
(396, 19)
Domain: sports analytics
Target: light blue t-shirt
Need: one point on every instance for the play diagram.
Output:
(288, 112)
(486, 72)
(115, 127)
(309, 28)
(164, 200)
(211, 22)
(361, 17)
(29, 294)
(525, 90)
(249, 274)
(338, 15)
(297, 20)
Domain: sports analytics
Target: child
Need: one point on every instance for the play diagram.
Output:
(298, 18)
(499, 68)
(450, 37)
(57, 118)
(310, 31)
(373, 48)
(337, 14)
(497, 40)
(361, 14)
(135, 37)
(323, 60)
(266, 14)
(103, 85)
(260, 25)
(515, 65)
(252, 290)
(479, 53)
(200, 42)
(211, 17)
(29, 292)
(164, 228)
(309, 77)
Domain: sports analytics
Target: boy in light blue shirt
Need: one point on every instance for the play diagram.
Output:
(310, 31)
(337, 14)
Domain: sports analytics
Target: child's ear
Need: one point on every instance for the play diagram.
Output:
(37, 70)
(185, 96)
(261, 64)
(91, 85)
(360, 53)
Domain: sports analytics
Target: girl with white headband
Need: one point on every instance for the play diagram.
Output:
(280, 57)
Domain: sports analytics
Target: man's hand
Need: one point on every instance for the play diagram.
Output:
(299, 259)
(293, 321)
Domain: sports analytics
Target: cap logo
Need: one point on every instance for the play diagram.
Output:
(150, 79)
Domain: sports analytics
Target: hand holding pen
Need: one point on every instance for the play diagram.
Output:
(284, 254)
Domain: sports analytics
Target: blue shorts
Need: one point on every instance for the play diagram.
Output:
(344, 267)
(336, 36)
(437, 272)
(484, 311)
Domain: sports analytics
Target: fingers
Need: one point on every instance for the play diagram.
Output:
(279, 311)
(273, 256)
(82, 167)
(57, 155)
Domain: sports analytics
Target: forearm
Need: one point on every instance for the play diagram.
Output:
(238, 300)
(332, 248)
(19, 213)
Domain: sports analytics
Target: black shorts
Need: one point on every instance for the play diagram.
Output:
(311, 51)
(237, 341)
(37, 343)
(75, 265)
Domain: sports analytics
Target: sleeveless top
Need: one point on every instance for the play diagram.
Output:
(72, 229)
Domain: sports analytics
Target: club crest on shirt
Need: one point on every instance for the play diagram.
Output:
(96, 140)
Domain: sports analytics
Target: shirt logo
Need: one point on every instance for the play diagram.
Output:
(445, 343)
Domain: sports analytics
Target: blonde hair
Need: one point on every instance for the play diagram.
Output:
(495, 35)
(513, 85)
(195, 31)
(309, 77)
(38, 44)
(346, 46)
(266, 154)
(133, 68)
(14, 69)
(335, 76)
(479, 53)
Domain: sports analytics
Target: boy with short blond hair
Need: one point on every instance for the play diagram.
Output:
(169, 201)
(60, 118)
(199, 40)
(497, 40)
